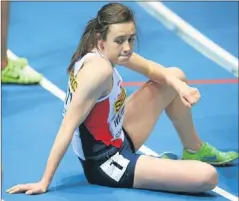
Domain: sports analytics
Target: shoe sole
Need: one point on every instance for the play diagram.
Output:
(229, 162)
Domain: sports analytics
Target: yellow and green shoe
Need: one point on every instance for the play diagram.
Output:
(211, 155)
(16, 73)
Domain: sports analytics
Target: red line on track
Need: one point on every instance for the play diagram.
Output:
(211, 81)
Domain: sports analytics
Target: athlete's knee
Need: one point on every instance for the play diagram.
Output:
(209, 178)
(177, 72)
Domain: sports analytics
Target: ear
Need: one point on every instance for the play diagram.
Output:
(99, 41)
(101, 44)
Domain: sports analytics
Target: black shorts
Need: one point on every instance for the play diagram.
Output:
(114, 168)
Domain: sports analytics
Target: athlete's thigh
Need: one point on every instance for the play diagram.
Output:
(174, 175)
(145, 105)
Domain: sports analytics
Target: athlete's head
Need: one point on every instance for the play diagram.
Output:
(112, 32)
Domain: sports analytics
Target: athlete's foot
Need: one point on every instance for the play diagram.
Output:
(211, 155)
(16, 73)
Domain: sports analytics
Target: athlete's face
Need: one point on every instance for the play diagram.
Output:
(118, 46)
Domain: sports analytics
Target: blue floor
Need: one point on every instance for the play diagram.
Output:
(47, 33)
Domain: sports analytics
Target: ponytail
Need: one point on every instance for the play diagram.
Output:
(88, 41)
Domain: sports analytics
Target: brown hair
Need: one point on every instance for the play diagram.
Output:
(98, 27)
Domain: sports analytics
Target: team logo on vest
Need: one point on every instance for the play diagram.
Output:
(120, 100)
(73, 82)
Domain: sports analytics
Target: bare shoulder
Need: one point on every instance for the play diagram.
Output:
(96, 70)
(99, 65)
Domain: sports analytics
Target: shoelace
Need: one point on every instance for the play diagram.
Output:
(210, 149)
(19, 65)
(12, 70)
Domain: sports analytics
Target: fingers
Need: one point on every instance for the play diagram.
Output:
(195, 95)
(35, 191)
(191, 98)
(186, 103)
(17, 189)
(29, 189)
(30, 192)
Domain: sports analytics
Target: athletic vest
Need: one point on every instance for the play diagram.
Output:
(102, 128)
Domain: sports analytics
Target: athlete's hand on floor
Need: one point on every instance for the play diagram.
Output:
(29, 189)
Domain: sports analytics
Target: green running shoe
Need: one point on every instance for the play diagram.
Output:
(16, 73)
(211, 155)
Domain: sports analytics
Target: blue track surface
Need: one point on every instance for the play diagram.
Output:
(47, 33)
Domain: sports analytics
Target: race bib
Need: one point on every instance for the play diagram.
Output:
(115, 166)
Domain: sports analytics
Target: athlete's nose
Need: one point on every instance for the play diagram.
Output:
(126, 48)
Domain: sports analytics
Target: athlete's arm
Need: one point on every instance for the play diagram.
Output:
(93, 81)
(160, 74)
(93, 78)
(150, 69)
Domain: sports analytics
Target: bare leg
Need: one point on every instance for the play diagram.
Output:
(4, 27)
(174, 175)
(13, 70)
(142, 111)
(181, 118)
(145, 106)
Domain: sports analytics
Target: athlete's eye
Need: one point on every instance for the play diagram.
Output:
(119, 42)
(131, 39)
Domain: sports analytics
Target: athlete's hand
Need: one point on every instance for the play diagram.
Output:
(188, 95)
(29, 189)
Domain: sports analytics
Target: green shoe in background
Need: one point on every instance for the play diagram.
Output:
(211, 155)
(16, 73)
(168, 155)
